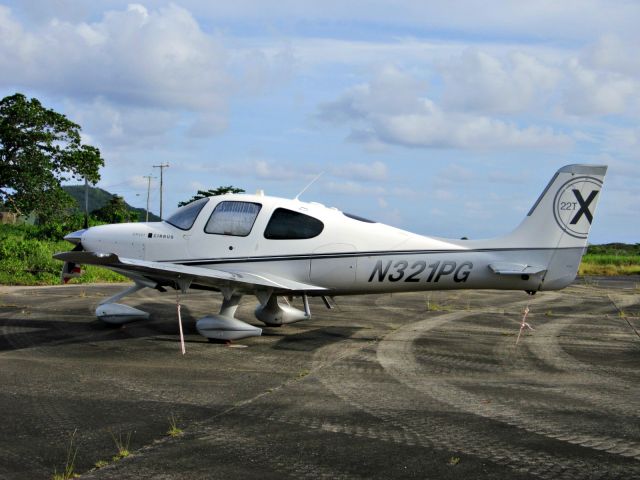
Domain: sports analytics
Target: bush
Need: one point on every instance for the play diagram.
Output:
(28, 261)
(25, 260)
(611, 259)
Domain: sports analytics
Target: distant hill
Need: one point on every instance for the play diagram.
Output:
(98, 198)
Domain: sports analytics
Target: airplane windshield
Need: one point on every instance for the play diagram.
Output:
(184, 217)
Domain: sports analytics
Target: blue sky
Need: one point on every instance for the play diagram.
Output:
(443, 118)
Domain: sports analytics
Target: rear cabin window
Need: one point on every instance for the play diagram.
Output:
(358, 217)
(289, 225)
(233, 218)
(184, 217)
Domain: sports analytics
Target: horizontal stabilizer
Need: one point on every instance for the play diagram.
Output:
(175, 272)
(504, 268)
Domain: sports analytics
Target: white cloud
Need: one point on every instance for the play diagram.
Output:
(477, 81)
(128, 78)
(569, 19)
(389, 92)
(615, 54)
(116, 125)
(132, 56)
(134, 74)
(257, 68)
(593, 92)
(391, 109)
(436, 128)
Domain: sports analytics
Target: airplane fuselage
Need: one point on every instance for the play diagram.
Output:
(348, 256)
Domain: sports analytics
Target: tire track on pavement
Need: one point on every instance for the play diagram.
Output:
(496, 452)
(396, 355)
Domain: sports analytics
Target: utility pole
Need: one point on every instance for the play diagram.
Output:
(86, 203)
(148, 177)
(162, 166)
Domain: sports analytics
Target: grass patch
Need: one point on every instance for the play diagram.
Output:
(122, 445)
(174, 430)
(70, 464)
(587, 267)
(611, 259)
(436, 307)
(100, 464)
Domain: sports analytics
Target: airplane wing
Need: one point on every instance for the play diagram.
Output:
(245, 281)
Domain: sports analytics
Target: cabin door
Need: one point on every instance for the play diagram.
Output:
(334, 264)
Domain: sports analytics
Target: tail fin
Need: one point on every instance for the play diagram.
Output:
(562, 215)
(558, 224)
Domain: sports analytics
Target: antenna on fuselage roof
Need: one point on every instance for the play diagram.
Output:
(297, 197)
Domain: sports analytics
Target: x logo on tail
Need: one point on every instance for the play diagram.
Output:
(584, 206)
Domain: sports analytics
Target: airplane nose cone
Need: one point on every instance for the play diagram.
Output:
(75, 237)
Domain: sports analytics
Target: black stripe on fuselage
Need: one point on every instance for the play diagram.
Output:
(378, 253)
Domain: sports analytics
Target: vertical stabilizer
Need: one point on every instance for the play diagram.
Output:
(559, 222)
(563, 214)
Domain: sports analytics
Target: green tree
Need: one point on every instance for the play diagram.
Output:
(39, 148)
(115, 211)
(212, 193)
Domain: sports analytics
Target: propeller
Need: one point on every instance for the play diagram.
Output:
(71, 269)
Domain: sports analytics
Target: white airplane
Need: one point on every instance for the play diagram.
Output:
(277, 248)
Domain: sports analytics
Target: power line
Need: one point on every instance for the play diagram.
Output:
(86, 203)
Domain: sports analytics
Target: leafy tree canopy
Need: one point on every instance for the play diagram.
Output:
(115, 211)
(39, 148)
(212, 193)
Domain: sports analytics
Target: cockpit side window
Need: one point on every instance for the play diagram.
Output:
(233, 218)
(289, 225)
(185, 217)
